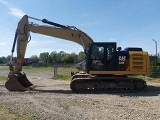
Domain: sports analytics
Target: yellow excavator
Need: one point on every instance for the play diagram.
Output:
(105, 66)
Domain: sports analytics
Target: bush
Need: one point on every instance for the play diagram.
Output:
(155, 72)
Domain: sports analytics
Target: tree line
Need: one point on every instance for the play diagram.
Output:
(63, 57)
(53, 57)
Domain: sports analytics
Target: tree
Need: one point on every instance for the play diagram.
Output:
(67, 59)
(81, 56)
(155, 71)
(8, 58)
(74, 56)
(60, 55)
(35, 57)
(44, 57)
(3, 60)
(53, 56)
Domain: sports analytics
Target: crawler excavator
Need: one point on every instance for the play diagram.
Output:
(105, 66)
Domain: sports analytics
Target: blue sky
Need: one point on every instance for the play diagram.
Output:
(130, 23)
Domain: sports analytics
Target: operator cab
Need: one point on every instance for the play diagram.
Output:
(103, 56)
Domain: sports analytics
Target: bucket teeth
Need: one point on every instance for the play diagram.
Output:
(18, 83)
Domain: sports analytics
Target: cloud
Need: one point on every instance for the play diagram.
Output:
(89, 24)
(3, 2)
(2, 43)
(16, 12)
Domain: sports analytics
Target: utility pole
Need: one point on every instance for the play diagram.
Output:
(156, 50)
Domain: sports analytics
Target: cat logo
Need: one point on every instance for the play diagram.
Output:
(122, 59)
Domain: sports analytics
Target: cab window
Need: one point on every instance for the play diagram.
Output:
(97, 57)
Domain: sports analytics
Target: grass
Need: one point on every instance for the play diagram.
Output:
(61, 77)
(157, 80)
(7, 114)
(3, 78)
(30, 68)
(63, 73)
(148, 79)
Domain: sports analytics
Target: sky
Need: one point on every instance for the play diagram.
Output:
(130, 23)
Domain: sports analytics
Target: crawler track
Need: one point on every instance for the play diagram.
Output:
(85, 82)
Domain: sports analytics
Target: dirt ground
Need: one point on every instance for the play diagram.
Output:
(55, 100)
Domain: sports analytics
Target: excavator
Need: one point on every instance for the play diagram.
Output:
(106, 66)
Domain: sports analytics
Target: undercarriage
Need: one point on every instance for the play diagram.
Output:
(83, 82)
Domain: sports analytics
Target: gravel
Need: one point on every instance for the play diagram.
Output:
(54, 100)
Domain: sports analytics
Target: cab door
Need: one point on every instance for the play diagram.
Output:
(100, 56)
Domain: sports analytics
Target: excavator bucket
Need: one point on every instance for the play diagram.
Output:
(18, 83)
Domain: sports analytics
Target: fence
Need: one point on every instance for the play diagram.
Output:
(59, 70)
(66, 69)
(155, 71)
(63, 70)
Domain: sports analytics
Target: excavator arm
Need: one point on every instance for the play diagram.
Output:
(19, 81)
(56, 30)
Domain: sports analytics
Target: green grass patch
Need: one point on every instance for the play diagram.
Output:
(30, 68)
(63, 73)
(60, 69)
(148, 79)
(152, 80)
(3, 78)
(7, 114)
(61, 77)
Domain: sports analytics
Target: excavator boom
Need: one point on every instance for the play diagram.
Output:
(18, 80)
(71, 34)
